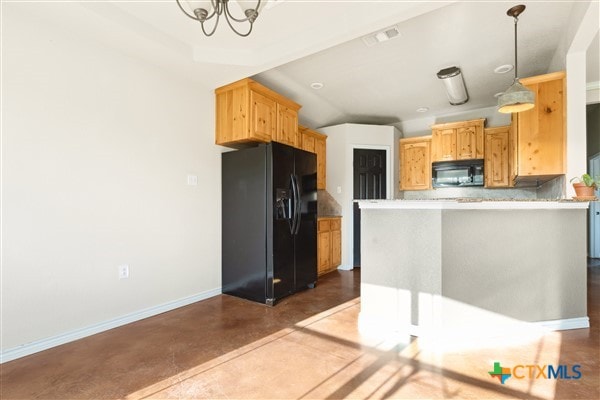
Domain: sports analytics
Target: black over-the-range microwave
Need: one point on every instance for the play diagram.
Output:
(457, 173)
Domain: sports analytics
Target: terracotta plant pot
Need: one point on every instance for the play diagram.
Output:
(581, 190)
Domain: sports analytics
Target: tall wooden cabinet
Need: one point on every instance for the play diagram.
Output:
(496, 161)
(538, 136)
(248, 112)
(329, 244)
(315, 142)
(415, 163)
(457, 140)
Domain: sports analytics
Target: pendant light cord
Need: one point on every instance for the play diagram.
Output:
(516, 67)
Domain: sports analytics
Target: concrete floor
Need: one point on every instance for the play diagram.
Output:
(308, 346)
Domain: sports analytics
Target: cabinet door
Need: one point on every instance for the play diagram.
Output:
(321, 150)
(287, 126)
(443, 142)
(336, 248)
(231, 113)
(541, 131)
(466, 143)
(496, 167)
(323, 251)
(308, 142)
(415, 162)
(263, 121)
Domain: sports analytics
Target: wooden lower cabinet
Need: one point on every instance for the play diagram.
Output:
(329, 244)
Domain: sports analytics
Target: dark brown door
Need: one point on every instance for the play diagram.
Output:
(369, 183)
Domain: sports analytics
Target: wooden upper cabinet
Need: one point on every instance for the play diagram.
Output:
(307, 139)
(248, 112)
(287, 126)
(321, 150)
(496, 162)
(264, 122)
(415, 163)
(539, 134)
(457, 140)
(443, 144)
(315, 142)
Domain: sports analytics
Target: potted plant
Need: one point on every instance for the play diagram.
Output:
(585, 186)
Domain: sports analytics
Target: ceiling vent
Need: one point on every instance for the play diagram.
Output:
(382, 36)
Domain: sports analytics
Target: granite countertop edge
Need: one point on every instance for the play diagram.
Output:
(481, 204)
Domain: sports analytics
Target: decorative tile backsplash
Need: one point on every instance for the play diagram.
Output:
(326, 205)
(553, 189)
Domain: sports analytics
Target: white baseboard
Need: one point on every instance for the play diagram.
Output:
(345, 267)
(369, 324)
(565, 324)
(44, 344)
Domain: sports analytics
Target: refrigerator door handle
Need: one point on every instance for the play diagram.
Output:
(294, 206)
(298, 204)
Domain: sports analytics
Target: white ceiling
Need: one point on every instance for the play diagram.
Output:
(387, 82)
(302, 41)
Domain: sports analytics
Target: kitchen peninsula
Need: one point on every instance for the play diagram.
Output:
(430, 267)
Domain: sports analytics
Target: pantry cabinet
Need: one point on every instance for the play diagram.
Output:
(457, 140)
(329, 244)
(248, 112)
(538, 136)
(496, 161)
(415, 163)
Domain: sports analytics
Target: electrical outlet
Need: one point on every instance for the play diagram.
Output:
(123, 271)
(339, 189)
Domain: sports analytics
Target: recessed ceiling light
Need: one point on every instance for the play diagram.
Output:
(503, 69)
(316, 85)
(498, 94)
(422, 109)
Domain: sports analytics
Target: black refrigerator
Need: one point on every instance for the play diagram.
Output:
(269, 222)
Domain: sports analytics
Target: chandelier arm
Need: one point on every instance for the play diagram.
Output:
(214, 27)
(215, 5)
(235, 30)
(241, 19)
(185, 12)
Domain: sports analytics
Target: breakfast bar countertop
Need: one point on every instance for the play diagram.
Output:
(475, 204)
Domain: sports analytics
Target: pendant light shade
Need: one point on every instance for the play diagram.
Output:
(516, 98)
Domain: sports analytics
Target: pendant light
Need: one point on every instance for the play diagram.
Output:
(517, 97)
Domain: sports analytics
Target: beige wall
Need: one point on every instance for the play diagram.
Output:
(96, 147)
(341, 142)
(529, 265)
(427, 269)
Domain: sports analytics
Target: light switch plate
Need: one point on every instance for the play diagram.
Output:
(192, 180)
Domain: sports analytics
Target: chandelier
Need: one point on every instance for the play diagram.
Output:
(516, 98)
(203, 11)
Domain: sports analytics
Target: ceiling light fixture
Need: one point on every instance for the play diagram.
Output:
(516, 98)
(502, 69)
(422, 109)
(203, 11)
(455, 85)
(316, 85)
